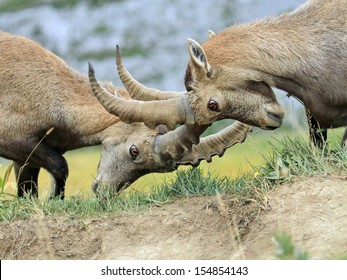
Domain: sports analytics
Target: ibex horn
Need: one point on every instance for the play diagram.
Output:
(172, 145)
(137, 90)
(215, 144)
(152, 113)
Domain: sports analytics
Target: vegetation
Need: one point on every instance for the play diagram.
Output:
(289, 157)
(286, 249)
(15, 5)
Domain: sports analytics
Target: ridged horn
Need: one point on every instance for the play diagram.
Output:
(152, 113)
(137, 90)
(215, 144)
(172, 145)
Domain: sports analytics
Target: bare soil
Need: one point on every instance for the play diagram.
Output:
(312, 210)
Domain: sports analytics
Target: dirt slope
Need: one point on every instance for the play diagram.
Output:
(313, 210)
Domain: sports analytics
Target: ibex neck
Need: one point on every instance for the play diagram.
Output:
(280, 56)
(294, 50)
(86, 122)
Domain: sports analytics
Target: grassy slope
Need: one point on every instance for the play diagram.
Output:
(288, 157)
(237, 161)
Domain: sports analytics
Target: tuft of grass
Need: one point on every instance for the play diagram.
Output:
(295, 156)
(194, 182)
(286, 249)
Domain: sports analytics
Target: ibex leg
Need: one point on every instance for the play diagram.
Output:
(38, 156)
(318, 134)
(344, 139)
(26, 178)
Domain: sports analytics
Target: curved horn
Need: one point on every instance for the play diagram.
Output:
(172, 145)
(136, 89)
(152, 113)
(215, 144)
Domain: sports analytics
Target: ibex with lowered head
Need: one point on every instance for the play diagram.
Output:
(38, 92)
(303, 53)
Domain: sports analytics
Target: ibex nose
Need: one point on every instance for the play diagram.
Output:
(274, 114)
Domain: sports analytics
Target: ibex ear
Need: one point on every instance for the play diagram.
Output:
(211, 34)
(198, 56)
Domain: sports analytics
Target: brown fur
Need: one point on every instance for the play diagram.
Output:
(303, 52)
(39, 91)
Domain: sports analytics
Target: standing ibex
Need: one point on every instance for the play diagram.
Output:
(38, 92)
(303, 53)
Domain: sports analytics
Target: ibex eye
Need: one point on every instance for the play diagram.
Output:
(213, 105)
(133, 151)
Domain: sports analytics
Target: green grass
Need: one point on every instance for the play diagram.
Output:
(289, 157)
(302, 159)
(286, 249)
(236, 162)
(127, 201)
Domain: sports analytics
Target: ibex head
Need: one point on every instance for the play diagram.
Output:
(141, 150)
(213, 92)
(218, 92)
(127, 157)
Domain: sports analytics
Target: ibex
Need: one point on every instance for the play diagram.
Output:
(231, 75)
(39, 92)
